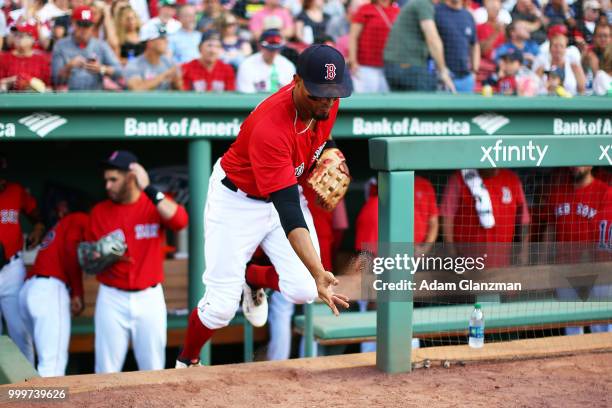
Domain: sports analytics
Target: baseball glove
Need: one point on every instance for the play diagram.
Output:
(330, 178)
(95, 257)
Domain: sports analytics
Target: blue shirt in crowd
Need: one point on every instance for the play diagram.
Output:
(458, 32)
(185, 45)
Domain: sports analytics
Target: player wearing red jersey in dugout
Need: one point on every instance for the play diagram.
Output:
(254, 199)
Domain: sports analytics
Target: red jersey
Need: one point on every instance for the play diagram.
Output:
(486, 30)
(425, 207)
(197, 78)
(25, 68)
(269, 153)
(573, 211)
(141, 226)
(13, 200)
(376, 22)
(57, 255)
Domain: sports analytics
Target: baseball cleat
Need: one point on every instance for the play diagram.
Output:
(187, 363)
(254, 305)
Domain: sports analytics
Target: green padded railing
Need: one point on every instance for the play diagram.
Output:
(14, 367)
(454, 318)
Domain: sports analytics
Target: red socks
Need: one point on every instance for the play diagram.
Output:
(197, 335)
(262, 277)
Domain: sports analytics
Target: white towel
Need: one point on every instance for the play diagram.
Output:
(482, 199)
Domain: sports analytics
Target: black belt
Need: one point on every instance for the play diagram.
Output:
(228, 183)
(47, 277)
(135, 290)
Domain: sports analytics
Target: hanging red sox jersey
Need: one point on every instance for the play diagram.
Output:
(271, 152)
(142, 228)
(603, 223)
(57, 255)
(573, 211)
(13, 200)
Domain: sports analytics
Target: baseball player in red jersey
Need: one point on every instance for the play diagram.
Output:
(570, 211)
(130, 303)
(603, 223)
(14, 201)
(485, 207)
(56, 277)
(425, 218)
(254, 199)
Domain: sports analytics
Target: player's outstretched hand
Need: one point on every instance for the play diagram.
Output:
(142, 177)
(325, 283)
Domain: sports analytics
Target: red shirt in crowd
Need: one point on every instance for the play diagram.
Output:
(13, 200)
(38, 65)
(509, 210)
(425, 207)
(142, 227)
(57, 255)
(486, 30)
(377, 22)
(573, 211)
(197, 78)
(269, 154)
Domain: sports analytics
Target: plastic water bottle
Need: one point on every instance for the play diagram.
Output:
(476, 328)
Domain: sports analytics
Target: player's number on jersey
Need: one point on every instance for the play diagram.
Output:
(605, 235)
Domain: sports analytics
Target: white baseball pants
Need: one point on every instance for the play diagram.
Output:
(234, 226)
(122, 316)
(45, 308)
(11, 281)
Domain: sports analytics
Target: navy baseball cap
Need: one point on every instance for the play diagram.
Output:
(272, 39)
(120, 160)
(513, 54)
(324, 72)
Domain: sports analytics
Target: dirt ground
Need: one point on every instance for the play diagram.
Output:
(349, 380)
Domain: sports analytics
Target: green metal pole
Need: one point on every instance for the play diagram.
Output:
(248, 341)
(199, 173)
(308, 330)
(395, 236)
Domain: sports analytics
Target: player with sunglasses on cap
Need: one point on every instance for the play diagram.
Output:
(255, 198)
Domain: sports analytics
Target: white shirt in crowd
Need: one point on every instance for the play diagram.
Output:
(254, 74)
(141, 7)
(602, 84)
(572, 57)
(172, 26)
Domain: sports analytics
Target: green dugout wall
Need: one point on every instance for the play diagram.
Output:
(199, 119)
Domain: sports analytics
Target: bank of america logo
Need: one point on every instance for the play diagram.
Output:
(490, 122)
(42, 123)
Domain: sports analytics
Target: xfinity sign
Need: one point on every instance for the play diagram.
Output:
(606, 152)
(500, 153)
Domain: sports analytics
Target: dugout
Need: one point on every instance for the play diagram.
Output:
(60, 137)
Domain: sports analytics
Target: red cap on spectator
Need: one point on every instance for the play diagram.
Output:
(83, 15)
(556, 30)
(27, 28)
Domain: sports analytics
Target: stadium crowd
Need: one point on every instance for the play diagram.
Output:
(511, 47)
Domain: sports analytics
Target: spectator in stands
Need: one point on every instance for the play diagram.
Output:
(235, 48)
(491, 34)
(461, 49)
(266, 70)
(311, 23)
(528, 12)
(585, 26)
(3, 26)
(25, 68)
(212, 10)
(504, 82)
(104, 25)
(208, 73)
(370, 27)
(153, 70)
(339, 26)
(602, 84)
(518, 39)
(566, 63)
(165, 18)
(559, 12)
(595, 53)
(130, 307)
(184, 43)
(412, 40)
(81, 61)
(141, 7)
(481, 211)
(128, 34)
(272, 10)
(40, 12)
(56, 274)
